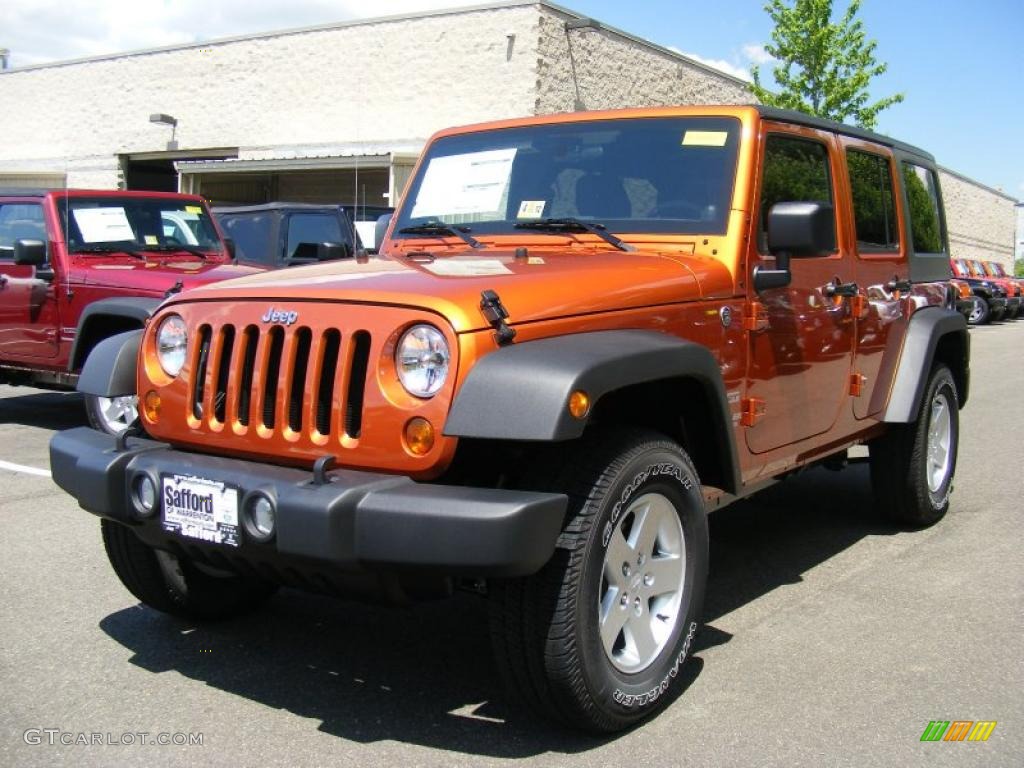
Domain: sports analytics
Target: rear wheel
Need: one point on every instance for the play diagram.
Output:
(596, 639)
(177, 585)
(912, 465)
(112, 415)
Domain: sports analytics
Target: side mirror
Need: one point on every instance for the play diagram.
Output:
(229, 246)
(381, 229)
(33, 253)
(802, 229)
(795, 230)
(333, 251)
(30, 253)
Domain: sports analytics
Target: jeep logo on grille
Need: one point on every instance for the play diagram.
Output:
(280, 316)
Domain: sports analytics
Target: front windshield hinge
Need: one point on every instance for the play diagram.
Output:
(496, 314)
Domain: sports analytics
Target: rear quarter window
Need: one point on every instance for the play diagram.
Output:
(923, 208)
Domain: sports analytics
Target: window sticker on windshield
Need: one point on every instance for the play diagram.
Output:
(469, 183)
(193, 209)
(103, 225)
(531, 209)
(150, 239)
(467, 267)
(705, 138)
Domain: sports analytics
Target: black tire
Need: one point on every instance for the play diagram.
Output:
(112, 415)
(546, 629)
(996, 315)
(980, 313)
(176, 585)
(902, 466)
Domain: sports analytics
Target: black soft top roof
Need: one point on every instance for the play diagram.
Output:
(792, 116)
(277, 206)
(22, 192)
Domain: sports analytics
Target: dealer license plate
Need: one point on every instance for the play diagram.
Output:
(202, 509)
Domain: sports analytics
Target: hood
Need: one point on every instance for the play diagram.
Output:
(548, 283)
(157, 274)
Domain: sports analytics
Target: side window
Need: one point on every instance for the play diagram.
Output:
(251, 235)
(795, 170)
(305, 230)
(874, 203)
(20, 221)
(923, 205)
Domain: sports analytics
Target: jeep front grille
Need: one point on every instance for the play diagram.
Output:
(282, 380)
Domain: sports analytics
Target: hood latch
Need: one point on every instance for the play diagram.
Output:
(496, 314)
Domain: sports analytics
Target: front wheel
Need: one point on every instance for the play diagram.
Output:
(597, 638)
(177, 585)
(112, 415)
(912, 465)
(979, 311)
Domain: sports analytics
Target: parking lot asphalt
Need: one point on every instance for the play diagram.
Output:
(832, 638)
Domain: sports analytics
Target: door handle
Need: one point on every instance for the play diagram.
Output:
(836, 288)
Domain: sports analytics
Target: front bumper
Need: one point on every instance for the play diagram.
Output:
(356, 521)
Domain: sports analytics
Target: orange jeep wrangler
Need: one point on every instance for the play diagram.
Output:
(583, 333)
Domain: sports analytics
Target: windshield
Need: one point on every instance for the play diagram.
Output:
(671, 175)
(98, 224)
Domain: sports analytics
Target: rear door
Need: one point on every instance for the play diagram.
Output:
(28, 306)
(881, 271)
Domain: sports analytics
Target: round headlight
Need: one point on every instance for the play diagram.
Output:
(171, 343)
(422, 358)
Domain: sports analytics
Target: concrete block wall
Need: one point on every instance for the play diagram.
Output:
(613, 70)
(392, 80)
(981, 220)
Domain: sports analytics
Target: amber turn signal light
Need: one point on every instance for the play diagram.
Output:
(579, 404)
(419, 436)
(151, 404)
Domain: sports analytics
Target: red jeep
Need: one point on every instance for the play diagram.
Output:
(78, 266)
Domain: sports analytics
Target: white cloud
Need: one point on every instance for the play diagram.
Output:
(756, 54)
(56, 30)
(720, 64)
(740, 63)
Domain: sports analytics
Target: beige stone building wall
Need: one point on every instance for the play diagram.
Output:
(593, 67)
(981, 220)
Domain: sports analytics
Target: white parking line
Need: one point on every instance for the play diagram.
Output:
(23, 469)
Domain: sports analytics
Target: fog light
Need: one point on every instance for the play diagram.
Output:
(144, 495)
(151, 404)
(419, 436)
(579, 404)
(260, 517)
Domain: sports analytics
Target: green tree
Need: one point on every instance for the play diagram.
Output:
(1018, 268)
(824, 68)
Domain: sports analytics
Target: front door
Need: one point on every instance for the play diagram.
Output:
(800, 357)
(28, 307)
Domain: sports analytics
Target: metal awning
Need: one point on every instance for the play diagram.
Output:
(278, 159)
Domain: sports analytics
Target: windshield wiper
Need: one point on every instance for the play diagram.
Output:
(168, 248)
(570, 224)
(436, 227)
(108, 249)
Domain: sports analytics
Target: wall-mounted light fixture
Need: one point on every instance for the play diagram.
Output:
(161, 119)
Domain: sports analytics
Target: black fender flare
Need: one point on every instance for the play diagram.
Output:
(521, 391)
(925, 331)
(110, 369)
(136, 308)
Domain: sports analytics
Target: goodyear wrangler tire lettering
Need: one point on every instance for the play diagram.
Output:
(638, 501)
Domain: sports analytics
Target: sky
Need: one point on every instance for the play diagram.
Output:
(957, 63)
